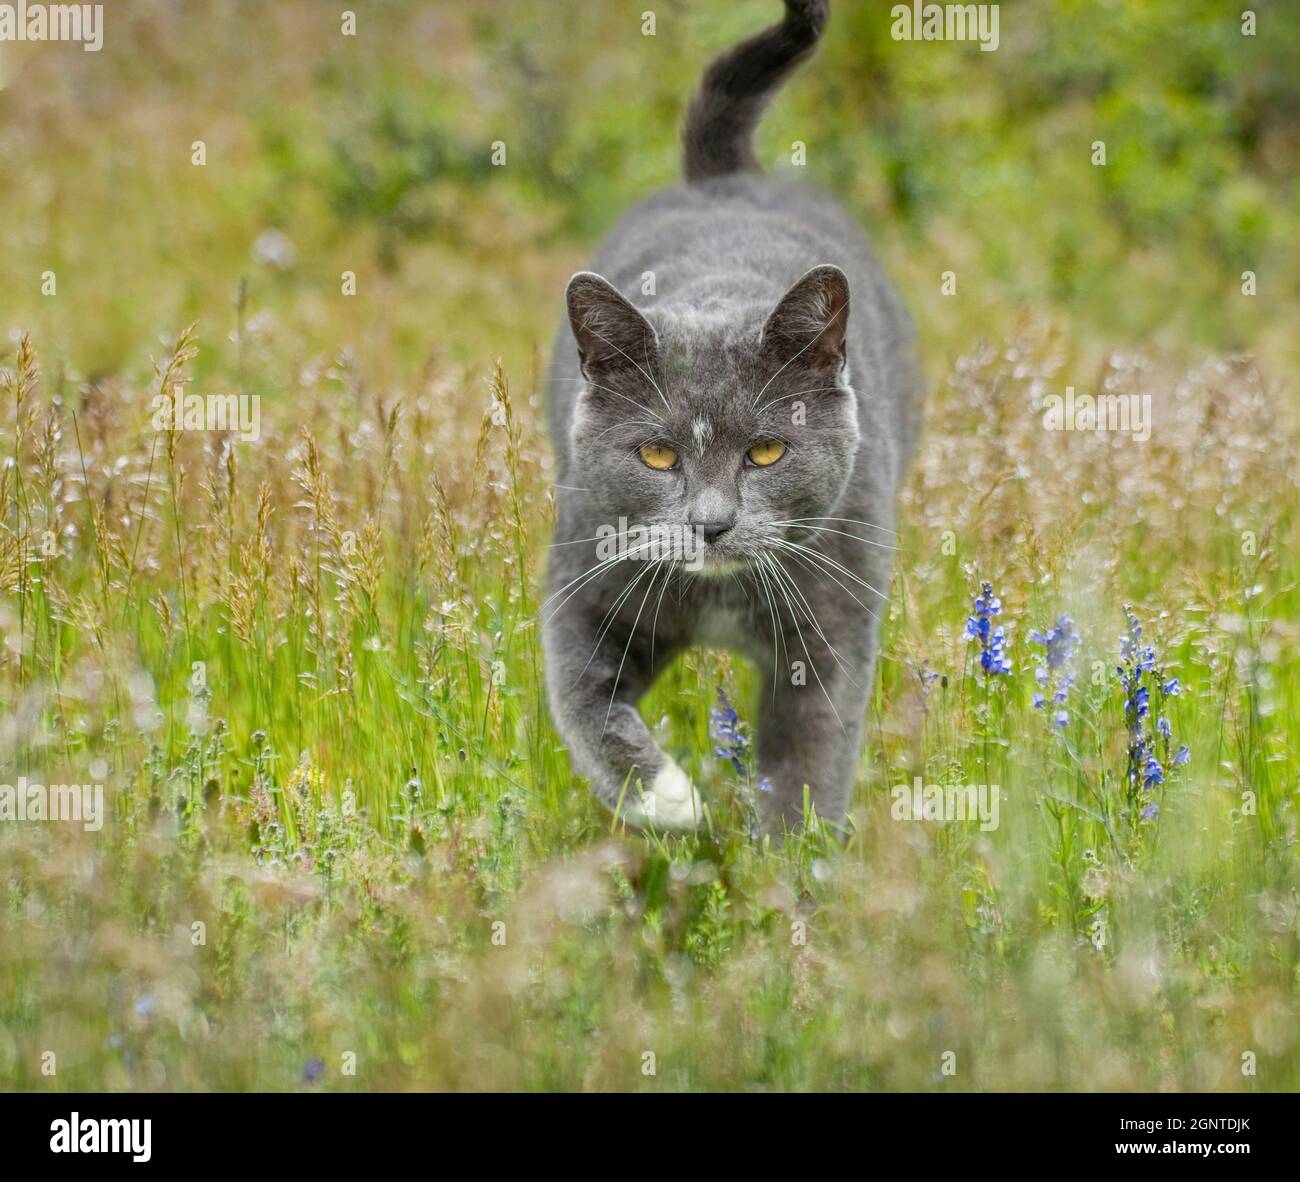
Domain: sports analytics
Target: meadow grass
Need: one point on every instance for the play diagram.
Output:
(345, 849)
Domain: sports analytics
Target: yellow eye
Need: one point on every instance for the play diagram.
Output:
(765, 453)
(658, 458)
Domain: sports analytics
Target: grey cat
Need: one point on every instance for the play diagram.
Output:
(729, 451)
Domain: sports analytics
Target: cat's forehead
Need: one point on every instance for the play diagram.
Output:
(708, 362)
(710, 408)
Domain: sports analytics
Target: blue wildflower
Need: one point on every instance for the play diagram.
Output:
(728, 734)
(1060, 641)
(993, 655)
(1055, 672)
(987, 605)
(1138, 673)
(993, 658)
(313, 1069)
(1131, 648)
(1138, 704)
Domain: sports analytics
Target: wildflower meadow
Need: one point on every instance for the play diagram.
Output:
(294, 642)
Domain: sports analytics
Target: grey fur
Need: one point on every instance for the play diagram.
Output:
(720, 124)
(750, 320)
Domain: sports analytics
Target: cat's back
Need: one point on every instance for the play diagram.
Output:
(751, 223)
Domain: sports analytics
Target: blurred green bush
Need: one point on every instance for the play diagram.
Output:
(956, 159)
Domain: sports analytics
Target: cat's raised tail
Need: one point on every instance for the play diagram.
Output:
(719, 130)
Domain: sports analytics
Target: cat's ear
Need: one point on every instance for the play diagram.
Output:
(810, 322)
(610, 333)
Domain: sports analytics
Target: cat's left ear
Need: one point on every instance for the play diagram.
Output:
(811, 320)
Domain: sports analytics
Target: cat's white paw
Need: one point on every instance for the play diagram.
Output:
(671, 804)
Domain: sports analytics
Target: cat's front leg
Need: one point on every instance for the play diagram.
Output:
(594, 706)
(810, 735)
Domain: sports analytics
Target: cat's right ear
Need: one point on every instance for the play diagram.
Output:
(610, 333)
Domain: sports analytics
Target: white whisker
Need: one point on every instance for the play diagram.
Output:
(644, 374)
(823, 529)
(774, 566)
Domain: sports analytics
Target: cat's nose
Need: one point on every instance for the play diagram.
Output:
(713, 530)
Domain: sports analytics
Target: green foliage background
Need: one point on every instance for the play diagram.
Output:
(374, 153)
